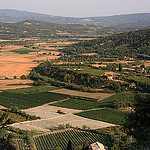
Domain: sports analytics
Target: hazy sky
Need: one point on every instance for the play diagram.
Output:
(79, 8)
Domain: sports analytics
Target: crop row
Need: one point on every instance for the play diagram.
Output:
(85, 105)
(36, 89)
(22, 144)
(60, 139)
(28, 100)
(107, 115)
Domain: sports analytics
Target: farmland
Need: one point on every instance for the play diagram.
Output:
(107, 115)
(28, 100)
(107, 102)
(60, 139)
(80, 104)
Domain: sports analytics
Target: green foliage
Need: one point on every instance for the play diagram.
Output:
(124, 44)
(22, 51)
(47, 73)
(23, 77)
(138, 122)
(107, 115)
(117, 137)
(69, 145)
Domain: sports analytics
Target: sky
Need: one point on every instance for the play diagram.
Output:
(79, 8)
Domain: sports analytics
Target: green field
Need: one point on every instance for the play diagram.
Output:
(124, 97)
(79, 104)
(85, 104)
(28, 100)
(94, 72)
(60, 139)
(107, 115)
(36, 89)
(23, 51)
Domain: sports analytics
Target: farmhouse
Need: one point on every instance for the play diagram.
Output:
(96, 146)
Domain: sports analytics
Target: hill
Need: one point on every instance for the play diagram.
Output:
(34, 28)
(131, 44)
(10, 15)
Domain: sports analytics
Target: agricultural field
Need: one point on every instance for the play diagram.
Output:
(35, 89)
(99, 96)
(60, 139)
(23, 101)
(80, 104)
(94, 72)
(87, 104)
(16, 60)
(14, 84)
(106, 115)
(22, 144)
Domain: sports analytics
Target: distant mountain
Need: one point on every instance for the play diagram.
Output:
(9, 15)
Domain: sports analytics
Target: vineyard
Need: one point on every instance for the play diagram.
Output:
(22, 144)
(60, 139)
(23, 101)
(36, 89)
(79, 104)
(106, 115)
(85, 105)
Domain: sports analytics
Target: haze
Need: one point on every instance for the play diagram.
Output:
(79, 8)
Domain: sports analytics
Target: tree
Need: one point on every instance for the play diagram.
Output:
(120, 67)
(69, 145)
(138, 122)
(23, 77)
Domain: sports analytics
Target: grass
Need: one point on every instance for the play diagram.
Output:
(106, 115)
(85, 105)
(36, 89)
(94, 72)
(28, 100)
(22, 51)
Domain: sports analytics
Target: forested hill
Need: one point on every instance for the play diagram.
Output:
(129, 44)
(32, 28)
(10, 15)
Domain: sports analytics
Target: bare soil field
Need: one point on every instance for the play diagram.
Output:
(4, 84)
(99, 96)
(50, 118)
(12, 64)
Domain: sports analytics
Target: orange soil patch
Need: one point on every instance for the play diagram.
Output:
(11, 47)
(96, 65)
(147, 64)
(89, 54)
(111, 73)
(4, 84)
